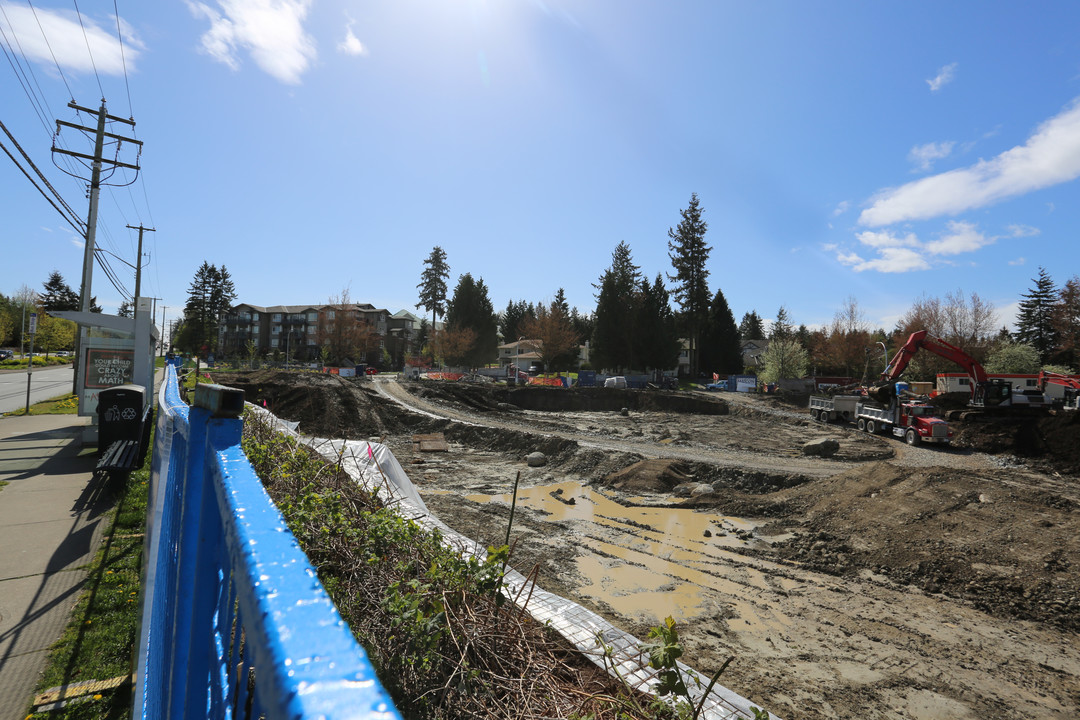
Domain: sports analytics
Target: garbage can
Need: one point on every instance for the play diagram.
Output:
(120, 415)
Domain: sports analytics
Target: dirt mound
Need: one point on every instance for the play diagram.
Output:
(649, 476)
(487, 398)
(1052, 441)
(967, 537)
(324, 405)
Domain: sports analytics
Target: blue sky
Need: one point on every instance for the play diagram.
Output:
(839, 149)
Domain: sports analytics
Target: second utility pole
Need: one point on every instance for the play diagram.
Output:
(138, 267)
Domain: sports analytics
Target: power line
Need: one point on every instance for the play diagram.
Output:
(88, 50)
(77, 228)
(123, 60)
(43, 179)
(20, 74)
(49, 45)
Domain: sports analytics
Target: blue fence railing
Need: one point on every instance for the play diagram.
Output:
(234, 621)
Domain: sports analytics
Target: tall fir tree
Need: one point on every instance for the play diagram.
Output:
(781, 326)
(616, 306)
(210, 295)
(432, 284)
(721, 349)
(470, 309)
(689, 254)
(751, 327)
(58, 294)
(1035, 321)
(656, 334)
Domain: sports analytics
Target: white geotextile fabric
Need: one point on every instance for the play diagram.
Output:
(581, 627)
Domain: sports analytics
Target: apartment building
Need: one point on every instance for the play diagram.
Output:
(296, 331)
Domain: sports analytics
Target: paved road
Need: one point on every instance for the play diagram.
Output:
(44, 384)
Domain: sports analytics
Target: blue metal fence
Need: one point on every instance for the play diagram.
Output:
(234, 622)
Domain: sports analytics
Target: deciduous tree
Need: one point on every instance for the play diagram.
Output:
(784, 358)
(1013, 357)
(558, 343)
(344, 335)
(1067, 323)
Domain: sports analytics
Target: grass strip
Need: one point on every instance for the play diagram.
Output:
(100, 637)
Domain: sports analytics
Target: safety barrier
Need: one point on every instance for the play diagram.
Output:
(234, 621)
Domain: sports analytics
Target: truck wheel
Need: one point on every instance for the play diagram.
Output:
(861, 424)
(870, 427)
(912, 437)
(824, 416)
(815, 414)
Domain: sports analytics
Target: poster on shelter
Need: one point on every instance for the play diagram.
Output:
(108, 368)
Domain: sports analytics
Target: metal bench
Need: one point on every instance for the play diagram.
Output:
(121, 455)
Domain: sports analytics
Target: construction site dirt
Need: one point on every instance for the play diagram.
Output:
(881, 581)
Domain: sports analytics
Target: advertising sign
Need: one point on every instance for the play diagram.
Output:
(108, 367)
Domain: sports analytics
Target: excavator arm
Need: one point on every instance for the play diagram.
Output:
(921, 341)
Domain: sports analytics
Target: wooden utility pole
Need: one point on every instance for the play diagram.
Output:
(91, 222)
(138, 266)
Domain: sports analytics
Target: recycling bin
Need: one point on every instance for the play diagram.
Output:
(120, 415)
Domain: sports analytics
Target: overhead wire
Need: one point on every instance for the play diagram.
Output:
(36, 186)
(123, 60)
(44, 180)
(93, 64)
(49, 45)
(21, 74)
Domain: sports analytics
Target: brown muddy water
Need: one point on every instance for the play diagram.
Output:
(646, 562)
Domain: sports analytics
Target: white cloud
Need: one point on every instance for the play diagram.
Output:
(886, 239)
(272, 31)
(841, 208)
(1008, 313)
(962, 238)
(944, 77)
(1018, 231)
(68, 42)
(1050, 156)
(924, 156)
(351, 45)
(890, 260)
(1018, 261)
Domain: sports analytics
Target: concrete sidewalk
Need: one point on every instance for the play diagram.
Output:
(51, 522)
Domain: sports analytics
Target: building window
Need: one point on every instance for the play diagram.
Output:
(276, 329)
(254, 317)
(312, 316)
(311, 329)
(273, 342)
(277, 317)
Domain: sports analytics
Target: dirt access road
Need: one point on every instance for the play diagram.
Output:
(884, 582)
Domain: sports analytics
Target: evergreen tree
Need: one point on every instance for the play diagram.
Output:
(1035, 322)
(751, 327)
(689, 254)
(655, 331)
(470, 309)
(560, 300)
(210, 295)
(58, 294)
(126, 309)
(781, 327)
(721, 348)
(512, 317)
(433, 284)
(616, 306)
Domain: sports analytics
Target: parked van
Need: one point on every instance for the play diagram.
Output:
(616, 382)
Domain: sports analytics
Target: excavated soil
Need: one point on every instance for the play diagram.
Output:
(885, 581)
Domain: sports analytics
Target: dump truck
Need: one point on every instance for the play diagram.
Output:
(913, 420)
(837, 407)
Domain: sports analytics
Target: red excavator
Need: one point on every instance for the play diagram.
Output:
(986, 392)
(1071, 385)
